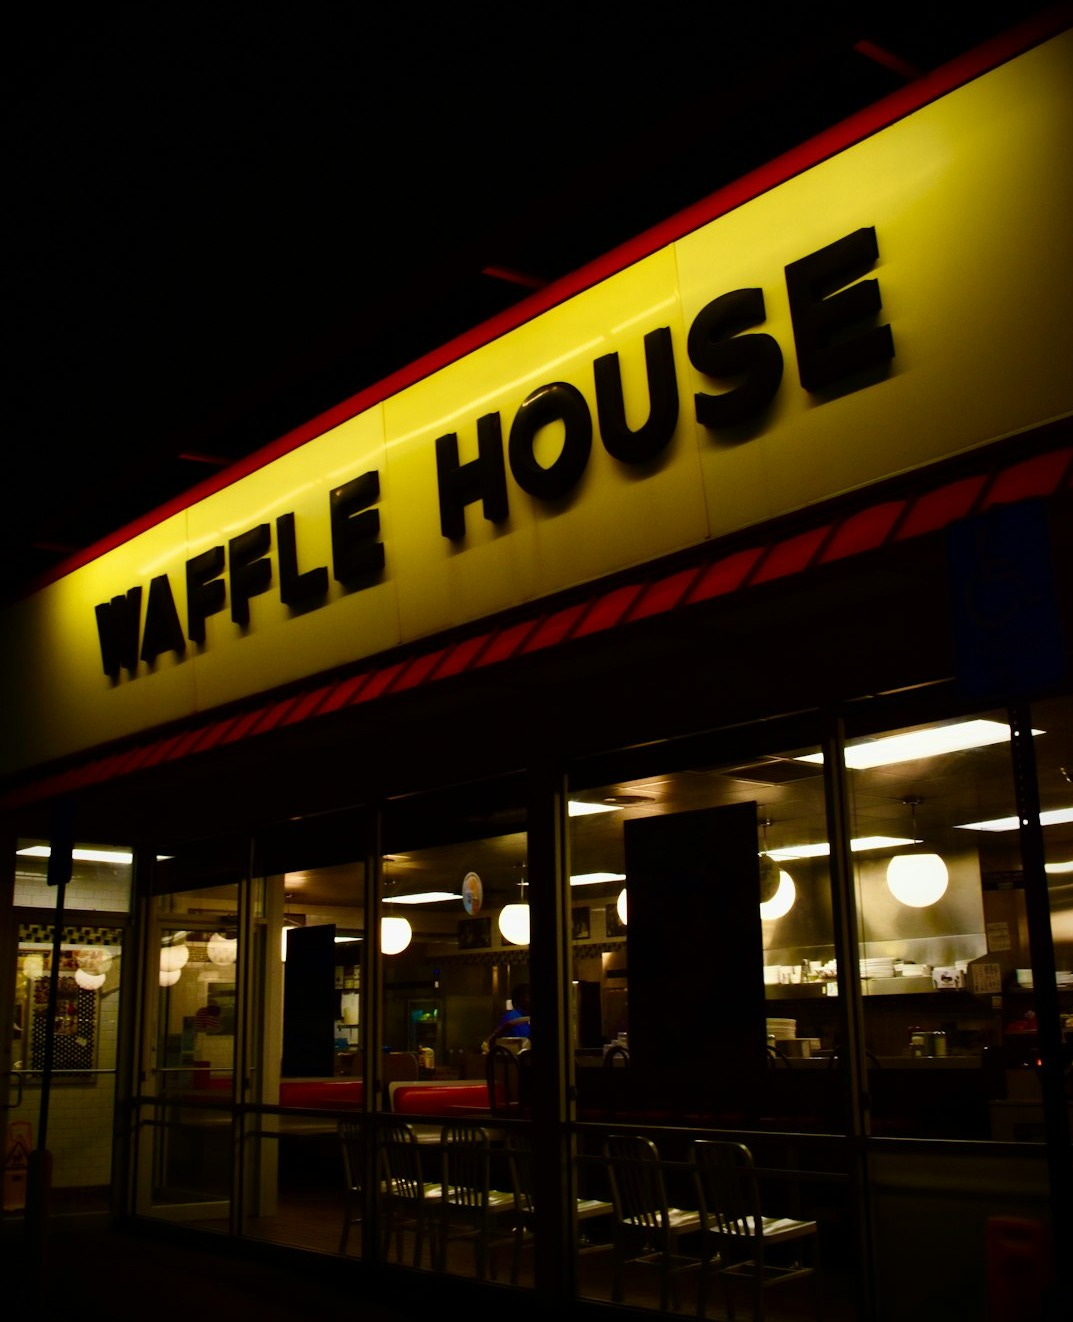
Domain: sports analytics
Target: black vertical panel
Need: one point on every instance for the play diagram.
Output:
(309, 1003)
(695, 950)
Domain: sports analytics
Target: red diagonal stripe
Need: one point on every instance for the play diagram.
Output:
(791, 556)
(418, 669)
(607, 611)
(505, 644)
(726, 575)
(462, 655)
(664, 594)
(935, 509)
(1038, 476)
(554, 628)
(345, 692)
(863, 531)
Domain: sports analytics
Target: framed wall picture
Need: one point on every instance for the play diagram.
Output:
(475, 934)
(582, 924)
(615, 926)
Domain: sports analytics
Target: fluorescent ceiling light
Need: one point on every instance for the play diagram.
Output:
(594, 878)
(576, 808)
(1058, 867)
(424, 897)
(346, 940)
(931, 742)
(80, 855)
(1054, 817)
(822, 848)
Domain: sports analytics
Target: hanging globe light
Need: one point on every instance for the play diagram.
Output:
(89, 981)
(782, 901)
(169, 977)
(173, 957)
(395, 934)
(620, 906)
(917, 880)
(222, 949)
(33, 966)
(94, 960)
(514, 923)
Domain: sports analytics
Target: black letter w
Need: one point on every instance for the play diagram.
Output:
(117, 628)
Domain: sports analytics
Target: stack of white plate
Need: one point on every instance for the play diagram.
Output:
(877, 968)
(782, 1030)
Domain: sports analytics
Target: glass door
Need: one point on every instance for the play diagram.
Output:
(190, 1056)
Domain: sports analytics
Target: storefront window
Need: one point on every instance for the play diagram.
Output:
(457, 1048)
(65, 1021)
(194, 1011)
(309, 1046)
(705, 976)
(945, 948)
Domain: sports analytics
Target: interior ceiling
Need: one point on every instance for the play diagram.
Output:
(931, 799)
(220, 225)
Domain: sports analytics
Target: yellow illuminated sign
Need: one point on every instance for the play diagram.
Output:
(905, 300)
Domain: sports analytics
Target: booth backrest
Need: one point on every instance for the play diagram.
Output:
(438, 1098)
(322, 1094)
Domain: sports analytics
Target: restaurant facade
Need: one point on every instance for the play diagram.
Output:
(690, 645)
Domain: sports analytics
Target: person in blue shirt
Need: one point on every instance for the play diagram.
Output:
(515, 1021)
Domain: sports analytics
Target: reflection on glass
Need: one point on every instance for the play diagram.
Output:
(794, 954)
(945, 949)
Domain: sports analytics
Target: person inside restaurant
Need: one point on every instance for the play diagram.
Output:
(514, 1021)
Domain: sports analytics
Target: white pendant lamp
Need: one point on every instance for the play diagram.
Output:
(621, 907)
(174, 954)
(169, 977)
(222, 949)
(782, 901)
(514, 919)
(917, 880)
(514, 923)
(777, 889)
(395, 934)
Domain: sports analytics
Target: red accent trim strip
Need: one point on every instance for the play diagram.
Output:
(791, 556)
(1032, 478)
(554, 628)
(462, 656)
(307, 706)
(888, 523)
(863, 531)
(345, 693)
(935, 509)
(665, 594)
(418, 669)
(379, 682)
(607, 611)
(726, 575)
(503, 645)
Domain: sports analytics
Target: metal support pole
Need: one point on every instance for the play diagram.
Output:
(1054, 1060)
(39, 1169)
(853, 1058)
(549, 905)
